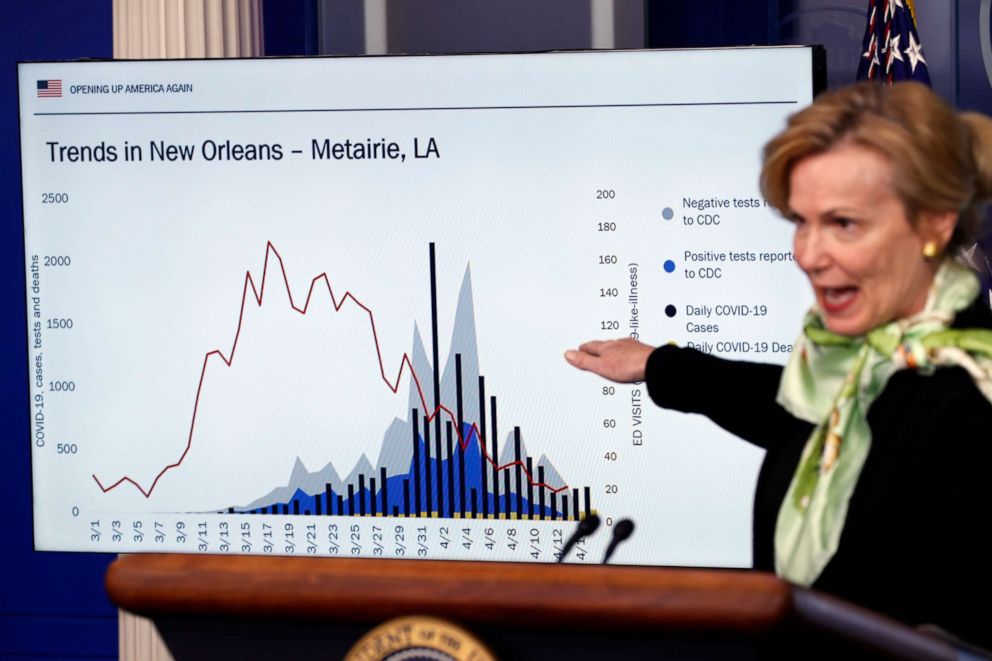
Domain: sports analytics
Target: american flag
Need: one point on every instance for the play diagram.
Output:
(891, 47)
(49, 88)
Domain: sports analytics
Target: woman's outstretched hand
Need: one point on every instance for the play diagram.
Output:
(623, 361)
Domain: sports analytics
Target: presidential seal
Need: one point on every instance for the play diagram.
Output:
(419, 638)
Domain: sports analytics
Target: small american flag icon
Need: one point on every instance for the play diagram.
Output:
(49, 88)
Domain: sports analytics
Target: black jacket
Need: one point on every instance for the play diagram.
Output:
(915, 543)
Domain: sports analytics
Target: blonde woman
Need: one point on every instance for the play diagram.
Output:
(875, 484)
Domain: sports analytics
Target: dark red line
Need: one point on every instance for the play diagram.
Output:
(258, 293)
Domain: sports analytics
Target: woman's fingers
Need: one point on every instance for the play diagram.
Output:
(595, 346)
(618, 360)
(581, 359)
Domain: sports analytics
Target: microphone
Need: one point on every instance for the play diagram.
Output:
(621, 531)
(587, 526)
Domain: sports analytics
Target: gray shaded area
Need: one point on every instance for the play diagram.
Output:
(508, 455)
(300, 478)
(422, 367)
(396, 453)
(362, 467)
(551, 476)
(464, 342)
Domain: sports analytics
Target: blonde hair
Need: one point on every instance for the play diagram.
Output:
(941, 160)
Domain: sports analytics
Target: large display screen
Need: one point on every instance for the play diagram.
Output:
(319, 306)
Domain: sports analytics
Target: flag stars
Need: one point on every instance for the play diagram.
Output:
(872, 47)
(890, 9)
(914, 52)
(893, 51)
(890, 49)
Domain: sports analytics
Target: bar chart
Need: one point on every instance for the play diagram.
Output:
(267, 316)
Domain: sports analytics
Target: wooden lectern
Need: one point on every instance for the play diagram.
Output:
(265, 607)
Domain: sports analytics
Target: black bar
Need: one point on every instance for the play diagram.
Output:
(475, 503)
(230, 510)
(306, 512)
(437, 377)
(415, 416)
(554, 506)
(428, 467)
(564, 506)
(519, 469)
(451, 469)
(384, 489)
(506, 483)
(351, 499)
(458, 393)
(327, 498)
(285, 508)
(575, 504)
(361, 494)
(340, 504)
(540, 490)
(460, 436)
(396, 510)
(588, 503)
(316, 504)
(461, 477)
(495, 436)
(373, 510)
(274, 509)
(481, 440)
(439, 474)
(406, 498)
(530, 489)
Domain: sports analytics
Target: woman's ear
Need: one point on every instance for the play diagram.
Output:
(938, 226)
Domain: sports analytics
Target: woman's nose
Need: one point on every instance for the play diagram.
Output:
(809, 249)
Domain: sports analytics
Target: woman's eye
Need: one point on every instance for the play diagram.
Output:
(844, 223)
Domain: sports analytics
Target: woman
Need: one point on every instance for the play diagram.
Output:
(875, 484)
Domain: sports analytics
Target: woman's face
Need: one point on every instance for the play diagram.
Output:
(854, 241)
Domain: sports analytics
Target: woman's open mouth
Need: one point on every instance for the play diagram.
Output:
(837, 299)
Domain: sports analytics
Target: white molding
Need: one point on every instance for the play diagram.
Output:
(376, 27)
(603, 26)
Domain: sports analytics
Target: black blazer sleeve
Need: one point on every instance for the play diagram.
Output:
(739, 396)
(948, 517)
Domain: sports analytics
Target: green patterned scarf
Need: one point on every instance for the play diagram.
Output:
(831, 380)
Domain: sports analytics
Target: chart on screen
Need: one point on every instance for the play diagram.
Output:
(319, 306)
